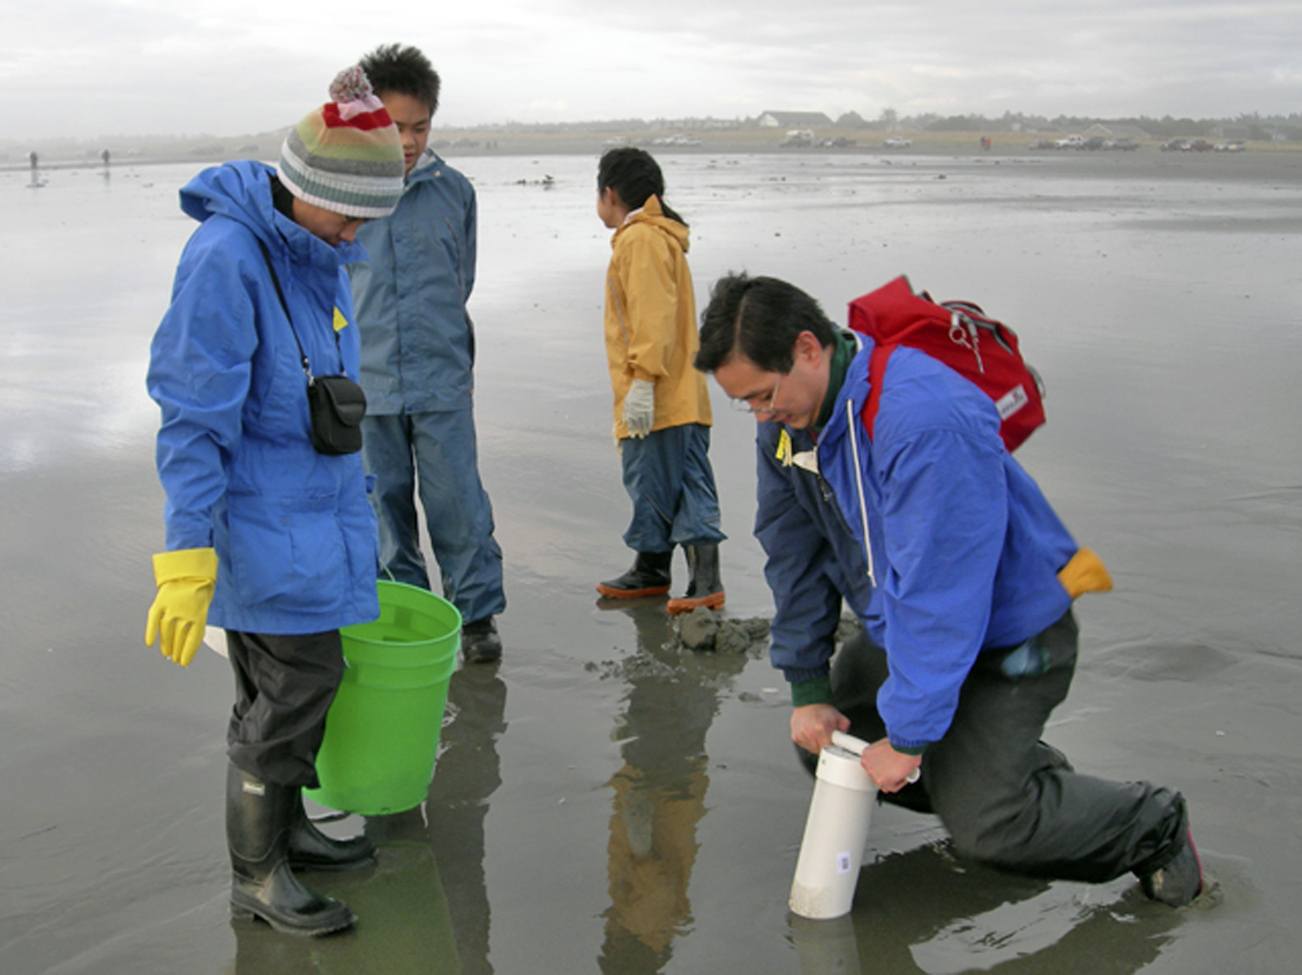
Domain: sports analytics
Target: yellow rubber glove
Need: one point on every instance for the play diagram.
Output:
(1084, 573)
(186, 578)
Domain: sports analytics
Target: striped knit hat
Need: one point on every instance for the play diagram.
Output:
(346, 156)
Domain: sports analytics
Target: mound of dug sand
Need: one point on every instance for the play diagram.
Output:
(706, 630)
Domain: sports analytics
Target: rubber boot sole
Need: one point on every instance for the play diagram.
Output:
(243, 911)
(609, 592)
(676, 607)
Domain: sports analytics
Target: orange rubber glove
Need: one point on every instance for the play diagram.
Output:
(186, 578)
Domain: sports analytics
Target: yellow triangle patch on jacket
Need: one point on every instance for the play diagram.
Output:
(783, 453)
(340, 322)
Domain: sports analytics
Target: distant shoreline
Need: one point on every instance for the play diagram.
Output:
(1012, 157)
(464, 143)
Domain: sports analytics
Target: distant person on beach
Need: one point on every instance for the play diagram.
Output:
(269, 532)
(662, 407)
(418, 357)
(975, 576)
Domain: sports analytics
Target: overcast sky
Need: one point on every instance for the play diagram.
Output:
(103, 67)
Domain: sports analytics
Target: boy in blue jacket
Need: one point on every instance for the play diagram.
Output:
(418, 353)
(956, 564)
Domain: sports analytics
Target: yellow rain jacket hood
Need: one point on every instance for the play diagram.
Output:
(651, 319)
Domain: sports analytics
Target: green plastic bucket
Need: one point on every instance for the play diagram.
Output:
(382, 733)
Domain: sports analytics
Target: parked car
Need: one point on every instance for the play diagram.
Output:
(1123, 144)
(897, 142)
(1175, 145)
(1229, 147)
(1071, 142)
(1043, 144)
(799, 137)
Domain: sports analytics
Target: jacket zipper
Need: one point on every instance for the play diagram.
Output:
(829, 499)
(858, 480)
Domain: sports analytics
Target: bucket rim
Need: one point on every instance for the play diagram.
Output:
(380, 586)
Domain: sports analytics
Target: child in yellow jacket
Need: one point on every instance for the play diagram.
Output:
(662, 407)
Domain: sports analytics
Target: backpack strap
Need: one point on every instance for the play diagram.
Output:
(876, 370)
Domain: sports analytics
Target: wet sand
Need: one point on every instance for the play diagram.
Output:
(608, 800)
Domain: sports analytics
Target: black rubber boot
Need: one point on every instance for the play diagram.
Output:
(648, 577)
(259, 819)
(311, 849)
(1177, 882)
(704, 588)
(480, 643)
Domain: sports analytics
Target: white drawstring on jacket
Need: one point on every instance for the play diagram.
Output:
(858, 478)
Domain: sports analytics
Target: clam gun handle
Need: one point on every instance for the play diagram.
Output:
(856, 746)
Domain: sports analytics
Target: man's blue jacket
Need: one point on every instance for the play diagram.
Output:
(933, 534)
(418, 343)
(294, 533)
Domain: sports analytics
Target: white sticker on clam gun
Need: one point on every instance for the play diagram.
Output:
(843, 863)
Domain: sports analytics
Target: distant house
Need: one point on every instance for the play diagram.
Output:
(1117, 130)
(794, 120)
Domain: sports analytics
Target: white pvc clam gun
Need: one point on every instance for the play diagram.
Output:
(835, 831)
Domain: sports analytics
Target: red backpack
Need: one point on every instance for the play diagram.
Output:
(960, 335)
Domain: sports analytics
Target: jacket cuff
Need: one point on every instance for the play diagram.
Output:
(643, 375)
(909, 747)
(185, 563)
(812, 690)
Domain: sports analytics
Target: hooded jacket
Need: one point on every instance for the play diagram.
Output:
(650, 319)
(418, 342)
(294, 533)
(939, 540)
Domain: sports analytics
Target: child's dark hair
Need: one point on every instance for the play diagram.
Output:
(634, 175)
(395, 67)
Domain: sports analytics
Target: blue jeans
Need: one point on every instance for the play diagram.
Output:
(668, 478)
(435, 454)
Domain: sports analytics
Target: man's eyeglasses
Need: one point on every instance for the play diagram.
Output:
(748, 405)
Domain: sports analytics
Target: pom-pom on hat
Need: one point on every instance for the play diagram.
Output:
(345, 156)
